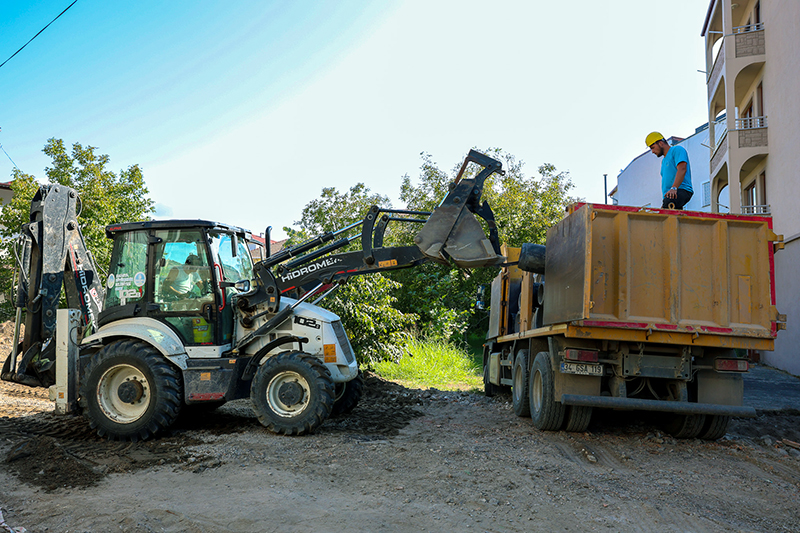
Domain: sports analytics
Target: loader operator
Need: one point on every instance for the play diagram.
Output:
(676, 174)
(182, 281)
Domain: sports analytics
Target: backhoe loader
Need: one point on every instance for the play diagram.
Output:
(186, 317)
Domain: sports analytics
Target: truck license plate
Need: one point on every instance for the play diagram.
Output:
(582, 369)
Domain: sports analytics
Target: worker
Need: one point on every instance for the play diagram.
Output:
(676, 173)
(182, 280)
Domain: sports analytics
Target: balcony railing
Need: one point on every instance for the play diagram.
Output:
(749, 123)
(755, 210)
(750, 27)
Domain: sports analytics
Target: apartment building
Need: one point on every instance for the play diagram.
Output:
(753, 80)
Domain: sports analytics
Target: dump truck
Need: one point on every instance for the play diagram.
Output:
(634, 309)
(185, 317)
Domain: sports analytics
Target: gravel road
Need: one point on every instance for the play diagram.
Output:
(404, 460)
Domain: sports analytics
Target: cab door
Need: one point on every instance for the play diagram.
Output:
(232, 263)
(183, 288)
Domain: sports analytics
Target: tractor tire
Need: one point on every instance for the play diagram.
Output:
(577, 418)
(130, 391)
(685, 426)
(715, 427)
(519, 391)
(348, 395)
(547, 414)
(292, 393)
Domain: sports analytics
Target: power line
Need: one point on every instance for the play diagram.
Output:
(9, 157)
(34, 37)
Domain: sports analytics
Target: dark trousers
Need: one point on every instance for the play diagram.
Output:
(677, 203)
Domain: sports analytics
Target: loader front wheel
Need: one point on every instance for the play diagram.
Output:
(292, 393)
(130, 392)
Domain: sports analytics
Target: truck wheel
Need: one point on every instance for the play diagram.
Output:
(292, 393)
(577, 417)
(489, 389)
(519, 391)
(685, 426)
(348, 395)
(715, 427)
(130, 392)
(547, 414)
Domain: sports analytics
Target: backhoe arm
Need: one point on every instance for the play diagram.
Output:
(51, 254)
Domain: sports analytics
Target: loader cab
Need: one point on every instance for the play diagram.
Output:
(180, 273)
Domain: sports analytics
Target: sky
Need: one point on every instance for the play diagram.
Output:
(243, 111)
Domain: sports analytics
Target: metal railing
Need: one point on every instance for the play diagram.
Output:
(720, 129)
(750, 27)
(749, 123)
(755, 209)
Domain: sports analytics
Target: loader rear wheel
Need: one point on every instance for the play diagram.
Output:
(519, 391)
(685, 426)
(546, 412)
(130, 392)
(715, 427)
(292, 393)
(348, 395)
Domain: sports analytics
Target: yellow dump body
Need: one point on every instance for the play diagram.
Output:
(624, 273)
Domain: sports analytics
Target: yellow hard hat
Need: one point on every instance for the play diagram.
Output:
(653, 138)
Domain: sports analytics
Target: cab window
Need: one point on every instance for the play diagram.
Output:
(126, 280)
(235, 268)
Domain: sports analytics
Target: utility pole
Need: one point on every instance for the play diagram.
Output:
(605, 187)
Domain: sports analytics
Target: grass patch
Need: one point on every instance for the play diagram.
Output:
(428, 364)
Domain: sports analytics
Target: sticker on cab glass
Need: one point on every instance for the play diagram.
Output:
(110, 282)
(138, 279)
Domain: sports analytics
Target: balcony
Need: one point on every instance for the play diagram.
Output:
(752, 131)
(749, 123)
(749, 40)
(755, 210)
(716, 71)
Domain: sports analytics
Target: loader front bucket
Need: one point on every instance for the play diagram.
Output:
(452, 233)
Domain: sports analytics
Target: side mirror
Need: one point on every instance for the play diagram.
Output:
(479, 298)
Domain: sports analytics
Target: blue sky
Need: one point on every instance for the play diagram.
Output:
(242, 111)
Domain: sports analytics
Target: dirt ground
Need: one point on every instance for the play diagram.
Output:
(404, 460)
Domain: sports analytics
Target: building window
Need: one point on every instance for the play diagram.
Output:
(706, 194)
(749, 196)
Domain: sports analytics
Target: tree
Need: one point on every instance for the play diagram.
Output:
(106, 197)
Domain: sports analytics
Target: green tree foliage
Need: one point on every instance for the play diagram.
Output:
(106, 197)
(377, 331)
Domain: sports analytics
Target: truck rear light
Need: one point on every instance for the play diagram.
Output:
(587, 356)
(731, 365)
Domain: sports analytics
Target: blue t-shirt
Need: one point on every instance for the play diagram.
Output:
(669, 166)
